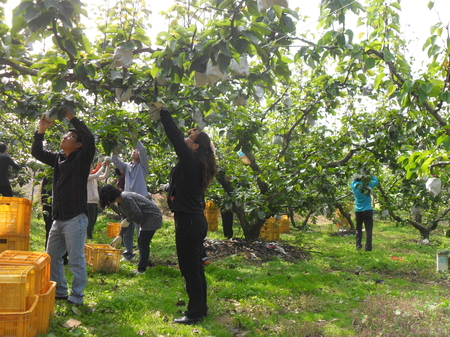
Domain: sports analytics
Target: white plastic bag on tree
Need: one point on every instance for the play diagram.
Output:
(264, 4)
(242, 68)
(123, 95)
(433, 185)
(211, 76)
(122, 58)
(240, 101)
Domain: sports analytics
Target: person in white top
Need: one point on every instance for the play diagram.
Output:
(92, 194)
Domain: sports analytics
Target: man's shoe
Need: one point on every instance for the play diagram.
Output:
(187, 320)
(64, 298)
(138, 272)
(126, 259)
(76, 304)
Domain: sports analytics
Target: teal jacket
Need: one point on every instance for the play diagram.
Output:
(363, 199)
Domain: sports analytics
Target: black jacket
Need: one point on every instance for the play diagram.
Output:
(185, 187)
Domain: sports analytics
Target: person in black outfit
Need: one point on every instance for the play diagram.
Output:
(227, 223)
(5, 162)
(189, 180)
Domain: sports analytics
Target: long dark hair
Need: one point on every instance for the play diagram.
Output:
(206, 155)
(108, 193)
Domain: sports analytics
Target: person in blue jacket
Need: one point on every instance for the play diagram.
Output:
(362, 191)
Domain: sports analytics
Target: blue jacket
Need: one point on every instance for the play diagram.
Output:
(363, 200)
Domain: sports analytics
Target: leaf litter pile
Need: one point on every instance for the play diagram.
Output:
(256, 251)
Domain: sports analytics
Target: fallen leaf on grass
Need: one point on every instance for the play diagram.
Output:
(71, 323)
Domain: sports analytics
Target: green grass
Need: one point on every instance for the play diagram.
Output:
(338, 292)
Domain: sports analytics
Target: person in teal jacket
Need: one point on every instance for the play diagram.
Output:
(362, 192)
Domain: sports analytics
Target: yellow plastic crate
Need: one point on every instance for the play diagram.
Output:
(113, 229)
(213, 226)
(46, 308)
(212, 216)
(284, 224)
(15, 216)
(41, 262)
(20, 324)
(102, 257)
(16, 284)
(14, 242)
(270, 231)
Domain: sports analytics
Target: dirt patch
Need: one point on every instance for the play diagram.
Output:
(254, 250)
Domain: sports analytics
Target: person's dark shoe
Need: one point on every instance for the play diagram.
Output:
(187, 320)
(76, 304)
(61, 298)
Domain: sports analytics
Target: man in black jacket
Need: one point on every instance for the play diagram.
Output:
(71, 168)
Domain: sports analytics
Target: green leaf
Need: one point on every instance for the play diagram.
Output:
(84, 41)
(445, 96)
(71, 47)
(340, 38)
(240, 45)
(59, 85)
(426, 87)
(40, 22)
(378, 80)
(51, 3)
(66, 9)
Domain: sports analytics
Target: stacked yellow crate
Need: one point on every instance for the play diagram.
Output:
(212, 216)
(18, 301)
(15, 217)
(43, 288)
(270, 231)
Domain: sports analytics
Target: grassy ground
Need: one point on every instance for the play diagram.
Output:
(338, 292)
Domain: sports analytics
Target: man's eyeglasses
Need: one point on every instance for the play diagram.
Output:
(69, 135)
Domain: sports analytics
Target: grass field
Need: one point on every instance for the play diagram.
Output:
(392, 291)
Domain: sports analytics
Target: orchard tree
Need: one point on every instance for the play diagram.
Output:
(307, 117)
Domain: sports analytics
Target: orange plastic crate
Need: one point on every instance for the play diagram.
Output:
(14, 242)
(102, 257)
(16, 284)
(46, 308)
(113, 229)
(20, 324)
(41, 262)
(15, 216)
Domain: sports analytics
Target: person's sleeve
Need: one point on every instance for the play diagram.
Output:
(176, 137)
(88, 148)
(118, 163)
(105, 175)
(96, 174)
(13, 164)
(374, 182)
(38, 152)
(133, 210)
(143, 156)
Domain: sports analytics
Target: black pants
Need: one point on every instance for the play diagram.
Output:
(144, 240)
(92, 212)
(190, 231)
(365, 217)
(227, 223)
(6, 191)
